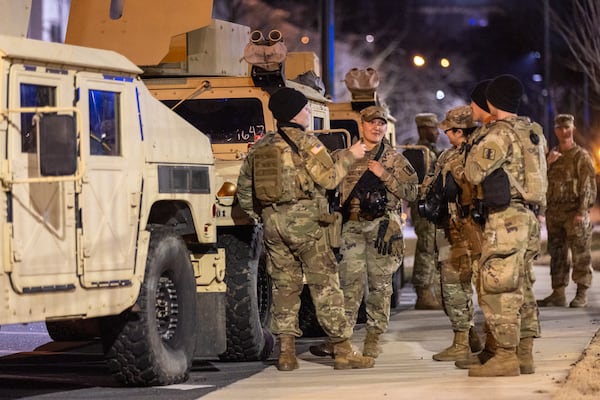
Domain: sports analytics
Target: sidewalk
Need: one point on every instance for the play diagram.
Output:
(406, 370)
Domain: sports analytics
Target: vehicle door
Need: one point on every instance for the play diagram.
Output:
(111, 190)
(41, 217)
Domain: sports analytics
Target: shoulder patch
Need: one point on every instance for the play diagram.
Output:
(317, 148)
(489, 153)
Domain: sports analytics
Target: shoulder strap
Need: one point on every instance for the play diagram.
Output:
(289, 141)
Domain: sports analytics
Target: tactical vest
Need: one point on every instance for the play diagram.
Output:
(278, 172)
(532, 142)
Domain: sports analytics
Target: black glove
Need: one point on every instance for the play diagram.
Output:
(383, 225)
(389, 238)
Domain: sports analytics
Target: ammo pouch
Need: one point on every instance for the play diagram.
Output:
(334, 230)
(331, 223)
(496, 190)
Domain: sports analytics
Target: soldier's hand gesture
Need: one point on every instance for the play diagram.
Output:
(358, 149)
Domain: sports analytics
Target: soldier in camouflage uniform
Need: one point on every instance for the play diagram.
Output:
(511, 227)
(372, 240)
(462, 233)
(571, 194)
(530, 327)
(425, 273)
(294, 238)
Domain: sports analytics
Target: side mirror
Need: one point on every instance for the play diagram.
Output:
(57, 144)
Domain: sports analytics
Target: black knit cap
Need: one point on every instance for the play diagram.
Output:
(478, 95)
(285, 103)
(504, 92)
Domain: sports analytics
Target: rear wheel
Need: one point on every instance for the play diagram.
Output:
(155, 344)
(248, 295)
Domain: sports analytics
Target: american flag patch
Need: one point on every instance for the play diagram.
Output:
(317, 148)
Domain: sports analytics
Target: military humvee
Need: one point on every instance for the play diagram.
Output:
(108, 212)
(204, 77)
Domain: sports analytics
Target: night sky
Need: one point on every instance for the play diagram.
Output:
(486, 38)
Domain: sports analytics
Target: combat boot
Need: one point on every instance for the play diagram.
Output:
(474, 341)
(459, 350)
(287, 353)
(556, 299)
(426, 300)
(371, 346)
(580, 299)
(323, 349)
(479, 359)
(504, 363)
(346, 357)
(525, 354)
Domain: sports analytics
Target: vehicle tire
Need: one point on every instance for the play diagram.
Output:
(248, 295)
(73, 330)
(153, 344)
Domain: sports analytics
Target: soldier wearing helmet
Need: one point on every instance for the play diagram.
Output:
(462, 233)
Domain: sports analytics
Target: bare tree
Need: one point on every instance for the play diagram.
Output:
(581, 34)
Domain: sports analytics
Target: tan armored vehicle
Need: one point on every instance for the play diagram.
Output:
(233, 111)
(108, 212)
(206, 78)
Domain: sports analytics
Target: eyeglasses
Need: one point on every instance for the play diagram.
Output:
(451, 129)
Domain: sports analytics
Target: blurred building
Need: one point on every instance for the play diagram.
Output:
(49, 20)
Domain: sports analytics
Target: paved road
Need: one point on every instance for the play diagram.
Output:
(32, 367)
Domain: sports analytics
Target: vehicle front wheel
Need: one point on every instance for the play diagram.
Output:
(154, 345)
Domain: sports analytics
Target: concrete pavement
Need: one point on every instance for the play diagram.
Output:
(405, 368)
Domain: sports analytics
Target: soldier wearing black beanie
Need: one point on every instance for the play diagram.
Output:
(504, 92)
(478, 95)
(285, 103)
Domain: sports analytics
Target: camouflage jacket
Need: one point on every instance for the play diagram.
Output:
(495, 148)
(399, 178)
(312, 170)
(571, 181)
(452, 161)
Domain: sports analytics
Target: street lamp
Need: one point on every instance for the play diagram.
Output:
(419, 60)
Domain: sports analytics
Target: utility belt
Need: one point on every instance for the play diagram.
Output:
(289, 202)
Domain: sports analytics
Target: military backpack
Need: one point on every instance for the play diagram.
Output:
(530, 138)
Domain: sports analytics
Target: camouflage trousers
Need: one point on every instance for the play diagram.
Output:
(360, 261)
(564, 235)
(457, 273)
(505, 279)
(425, 271)
(296, 246)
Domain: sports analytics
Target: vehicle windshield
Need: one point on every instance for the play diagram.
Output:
(224, 121)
